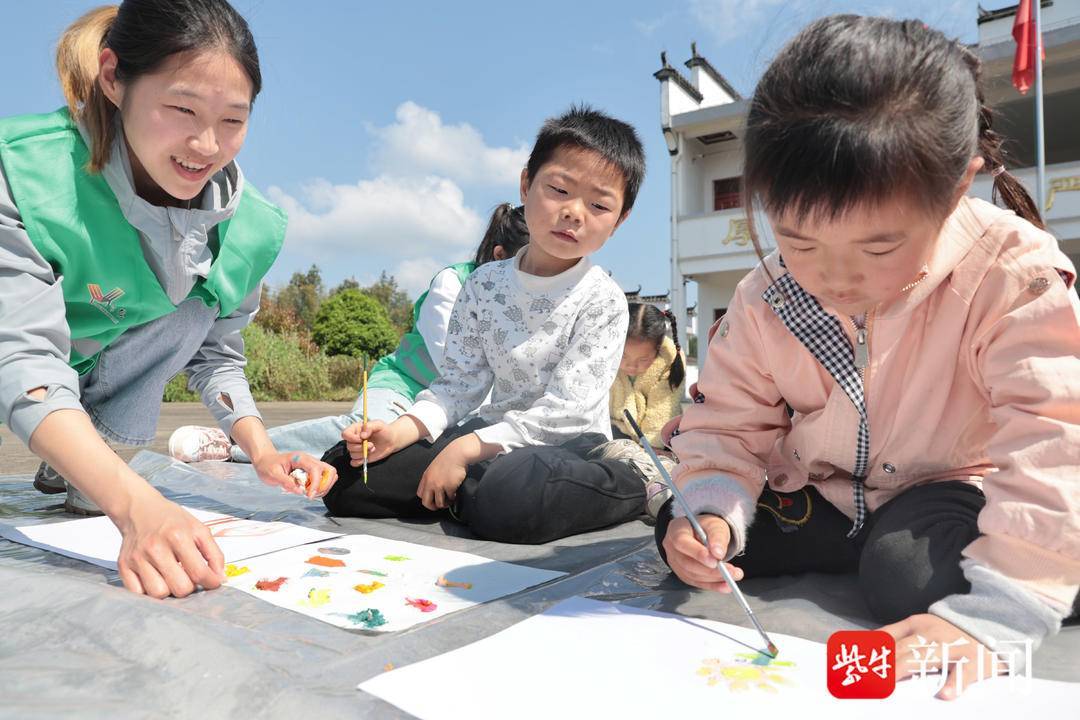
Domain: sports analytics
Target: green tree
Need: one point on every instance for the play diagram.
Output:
(276, 317)
(303, 295)
(398, 306)
(351, 323)
(284, 366)
(348, 283)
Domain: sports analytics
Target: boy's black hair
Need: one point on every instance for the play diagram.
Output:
(583, 127)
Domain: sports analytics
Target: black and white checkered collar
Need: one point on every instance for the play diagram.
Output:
(820, 332)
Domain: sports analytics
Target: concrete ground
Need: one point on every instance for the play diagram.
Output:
(16, 458)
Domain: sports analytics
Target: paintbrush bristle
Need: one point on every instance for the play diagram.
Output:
(773, 650)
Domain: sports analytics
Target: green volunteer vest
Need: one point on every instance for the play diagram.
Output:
(410, 369)
(75, 223)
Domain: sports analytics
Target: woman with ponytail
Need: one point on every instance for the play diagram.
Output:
(132, 248)
(927, 342)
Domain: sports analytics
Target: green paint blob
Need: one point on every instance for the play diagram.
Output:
(396, 558)
(370, 618)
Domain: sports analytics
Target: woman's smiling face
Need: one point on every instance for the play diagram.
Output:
(182, 123)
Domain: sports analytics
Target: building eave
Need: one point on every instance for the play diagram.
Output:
(728, 116)
(1006, 47)
(986, 16)
(701, 62)
(670, 73)
(667, 72)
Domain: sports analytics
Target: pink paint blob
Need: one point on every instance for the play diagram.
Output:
(421, 604)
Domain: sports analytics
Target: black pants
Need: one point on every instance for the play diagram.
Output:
(530, 495)
(907, 555)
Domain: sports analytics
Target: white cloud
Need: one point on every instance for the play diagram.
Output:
(420, 144)
(728, 19)
(648, 27)
(413, 218)
(397, 219)
(415, 275)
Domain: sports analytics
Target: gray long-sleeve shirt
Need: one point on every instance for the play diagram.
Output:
(35, 341)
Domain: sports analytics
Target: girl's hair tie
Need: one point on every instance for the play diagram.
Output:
(997, 171)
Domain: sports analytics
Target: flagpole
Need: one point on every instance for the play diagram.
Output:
(1040, 149)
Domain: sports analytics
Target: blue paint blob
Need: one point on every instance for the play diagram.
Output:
(315, 572)
(334, 551)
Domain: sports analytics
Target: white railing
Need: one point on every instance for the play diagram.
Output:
(715, 242)
(719, 241)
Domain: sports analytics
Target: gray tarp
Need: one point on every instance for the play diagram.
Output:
(74, 643)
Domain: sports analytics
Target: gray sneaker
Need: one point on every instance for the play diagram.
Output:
(48, 481)
(79, 504)
(656, 496)
(629, 452)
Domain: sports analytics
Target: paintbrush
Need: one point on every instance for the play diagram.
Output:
(700, 532)
(365, 420)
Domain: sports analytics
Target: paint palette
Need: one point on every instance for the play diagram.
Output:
(367, 583)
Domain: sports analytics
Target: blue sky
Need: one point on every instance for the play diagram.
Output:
(390, 130)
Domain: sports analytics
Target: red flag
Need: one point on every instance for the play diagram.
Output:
(1023, 74)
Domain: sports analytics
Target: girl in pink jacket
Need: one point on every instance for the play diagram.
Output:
(895, 391)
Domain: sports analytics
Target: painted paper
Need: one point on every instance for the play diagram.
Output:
(369, 583)
(589, 659)
(97, 541)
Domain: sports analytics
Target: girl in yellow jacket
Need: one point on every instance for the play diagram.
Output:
(651, 375)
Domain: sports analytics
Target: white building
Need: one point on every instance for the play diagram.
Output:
(702, 118)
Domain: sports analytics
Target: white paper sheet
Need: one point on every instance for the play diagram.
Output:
(339, 582)
(589, 659)
(96, 540)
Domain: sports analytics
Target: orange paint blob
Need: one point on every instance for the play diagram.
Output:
(324, 561)
(443, 582)
(270, 585)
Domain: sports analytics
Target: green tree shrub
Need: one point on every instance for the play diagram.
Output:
(303, 295)
(397, 304)
(351, 323)
(284, 366)
(345, 371)
(177, 391)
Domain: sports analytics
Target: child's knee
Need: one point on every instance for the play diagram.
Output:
(507, 504)
(901, 575)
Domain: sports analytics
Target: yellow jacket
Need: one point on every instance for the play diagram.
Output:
(649, 398)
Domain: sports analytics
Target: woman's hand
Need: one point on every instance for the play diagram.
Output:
(274, 468)
(920, 646)
(166, 551)
(694, 563)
